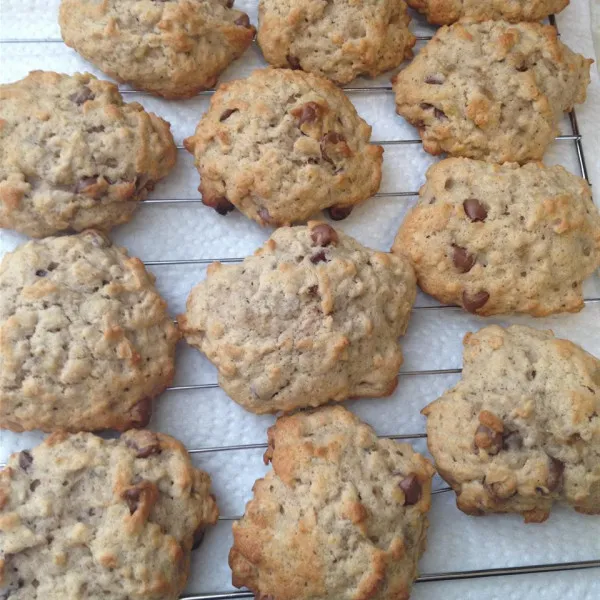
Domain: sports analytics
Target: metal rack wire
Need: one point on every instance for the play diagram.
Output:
(574, 136)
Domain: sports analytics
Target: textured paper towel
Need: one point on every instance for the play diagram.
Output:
(209, 418)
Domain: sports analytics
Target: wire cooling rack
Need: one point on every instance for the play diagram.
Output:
(574, 137)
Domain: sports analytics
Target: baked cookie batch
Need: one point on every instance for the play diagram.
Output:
(313, 317)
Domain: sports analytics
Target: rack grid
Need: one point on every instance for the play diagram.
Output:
(575, 137)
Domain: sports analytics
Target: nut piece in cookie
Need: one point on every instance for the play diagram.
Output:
(282, 145)
(174, 49)
(444, 12)
(312, 317)
(85, 340)
(521, 430)
(73, 155)
(110, 518)
(342, 514)
(498, 239)
(492, 91)
(337, 39)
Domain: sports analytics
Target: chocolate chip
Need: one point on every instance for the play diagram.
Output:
(488, 439)
(318, 257)
(198, 537)
(243, 20)
(475, 210)
(293, 62)
(462, 259)
(264, 214)
(333, 138)
(512, 440)
(132, 497)
(220, 204)
(339, 213)
(25, 460)
(84, 183)
(473, 302)
(522, 68)
(227, 113)
(41, 273)
(425, 105)
(412, 489)
(82, 96)
(141, 413)
(96, 238)
(313, 290)
(145, 443)
(323, 235)
(435, 79)
(555, 474)
(34, 485)
(307, 113)
(97, 129)
(143, 182)
(439, 114)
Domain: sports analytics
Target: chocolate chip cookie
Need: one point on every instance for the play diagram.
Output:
(491, 90)
(521, 430)
(502, 239)
(283, 145)
(339, 39)
(312, 317)
(444, 12)
(341, 514)
(172, 48)
(83, 517)
(73, 155)
(85, 339)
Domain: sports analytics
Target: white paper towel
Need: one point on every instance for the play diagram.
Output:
(208, 418)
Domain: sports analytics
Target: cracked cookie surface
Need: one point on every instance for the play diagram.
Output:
(493, 90)
(282, 145)
(173, 48)
(444, 12)
(73, 155)
(337, 39)
(85, 340)
(521, 430)
(342, 513)
(502, 238)
(311, 317)
(82, 518)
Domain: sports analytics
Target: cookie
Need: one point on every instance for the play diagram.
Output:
(341, 514)
(491, 90)
(82, 517)
(283, 145)
(521, 430)
(73, 155)
(339, 39)
(85, 339)
(444, 12)
(503, 239)
(312, 317)
(172, 48)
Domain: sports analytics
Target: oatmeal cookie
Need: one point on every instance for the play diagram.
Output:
(502, 239)
(521, 430)
(492, 90)
(341, 514)
(85, 340)
(283, 145)
(73, 155)
(172, 48)
(312, 317)
(87, 518)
